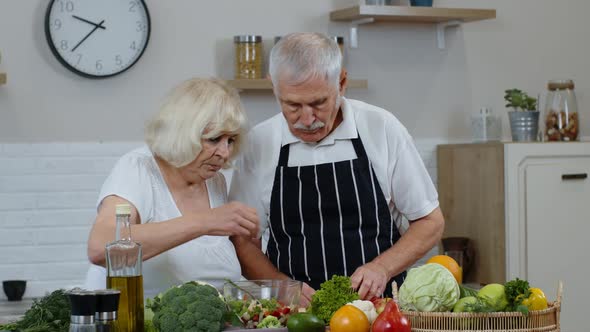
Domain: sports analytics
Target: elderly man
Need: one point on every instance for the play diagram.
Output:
(332, 179)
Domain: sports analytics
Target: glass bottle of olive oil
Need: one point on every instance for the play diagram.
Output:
(123, 262)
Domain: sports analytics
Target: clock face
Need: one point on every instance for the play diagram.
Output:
(97, 38)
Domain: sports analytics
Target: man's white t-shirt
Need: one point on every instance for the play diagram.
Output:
(406, 184)
(136, 177)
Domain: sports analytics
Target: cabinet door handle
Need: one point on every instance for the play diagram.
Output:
(576, 176)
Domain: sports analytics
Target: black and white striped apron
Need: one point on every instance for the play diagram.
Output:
(328, 219)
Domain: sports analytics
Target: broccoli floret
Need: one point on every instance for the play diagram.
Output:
(270, 304)
(269, 322)
(192, 306)
(148, 326)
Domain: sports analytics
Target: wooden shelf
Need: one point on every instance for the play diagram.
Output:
(411, 14)
(264, 84)
(2, 78)
(442, 17)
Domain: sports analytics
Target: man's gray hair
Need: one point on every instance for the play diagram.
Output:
(298, 57)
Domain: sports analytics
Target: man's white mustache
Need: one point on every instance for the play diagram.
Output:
(313, 126)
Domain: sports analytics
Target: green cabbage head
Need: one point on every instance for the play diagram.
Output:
(430, 287)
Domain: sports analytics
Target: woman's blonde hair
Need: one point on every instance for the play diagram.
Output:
(194, 110)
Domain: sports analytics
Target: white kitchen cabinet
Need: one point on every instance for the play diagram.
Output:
(526, 206)
(548, 227)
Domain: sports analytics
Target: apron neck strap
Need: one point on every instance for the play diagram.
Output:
(284, 156)
(356, 143)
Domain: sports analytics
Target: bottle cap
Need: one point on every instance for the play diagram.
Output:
(560, 85)
(247, 39)
(83, 302)
(123, 209)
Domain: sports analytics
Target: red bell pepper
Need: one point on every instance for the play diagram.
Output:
(391, 320)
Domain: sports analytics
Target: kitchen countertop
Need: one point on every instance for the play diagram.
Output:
(11, 311)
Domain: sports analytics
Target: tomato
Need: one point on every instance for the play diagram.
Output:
(305, 322)
(349, 319)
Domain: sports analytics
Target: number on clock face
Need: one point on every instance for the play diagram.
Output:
(97, 38)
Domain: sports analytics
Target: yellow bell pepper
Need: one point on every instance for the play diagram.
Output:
(536, 301)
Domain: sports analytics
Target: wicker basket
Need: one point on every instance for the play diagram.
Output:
(546, 320)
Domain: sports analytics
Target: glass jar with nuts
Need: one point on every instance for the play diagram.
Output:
(248, 57)
(561, 118)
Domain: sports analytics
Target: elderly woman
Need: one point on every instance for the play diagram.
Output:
(180, 212)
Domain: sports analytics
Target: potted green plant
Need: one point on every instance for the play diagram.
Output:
(524, 117)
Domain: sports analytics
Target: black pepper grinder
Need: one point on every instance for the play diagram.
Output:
(107, 304)
(83, 310)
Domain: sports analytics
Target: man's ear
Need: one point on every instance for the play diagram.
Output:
(343, 82)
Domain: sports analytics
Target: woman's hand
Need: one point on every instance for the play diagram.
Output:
(233, 218)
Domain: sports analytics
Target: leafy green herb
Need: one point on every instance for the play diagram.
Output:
(467, 291)
(516, 291)
(49, 314)
(520, 100)
(332, 295)
(479, 305)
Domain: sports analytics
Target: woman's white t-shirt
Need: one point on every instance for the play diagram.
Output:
(136, 177)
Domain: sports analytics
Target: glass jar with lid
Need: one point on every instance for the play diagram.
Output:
(562, 122)
(248, 57)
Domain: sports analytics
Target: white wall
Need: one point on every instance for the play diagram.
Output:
(48, 194)
(48, 189)
(431, 91)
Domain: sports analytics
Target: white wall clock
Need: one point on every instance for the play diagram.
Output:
(97, 38)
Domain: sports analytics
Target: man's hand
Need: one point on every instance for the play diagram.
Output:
(306, 293)
(369, 280)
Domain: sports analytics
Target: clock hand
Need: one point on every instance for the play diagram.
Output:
(88, 35)
(89, 22)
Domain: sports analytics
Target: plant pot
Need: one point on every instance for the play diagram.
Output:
(14, 289)
(524, 125)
